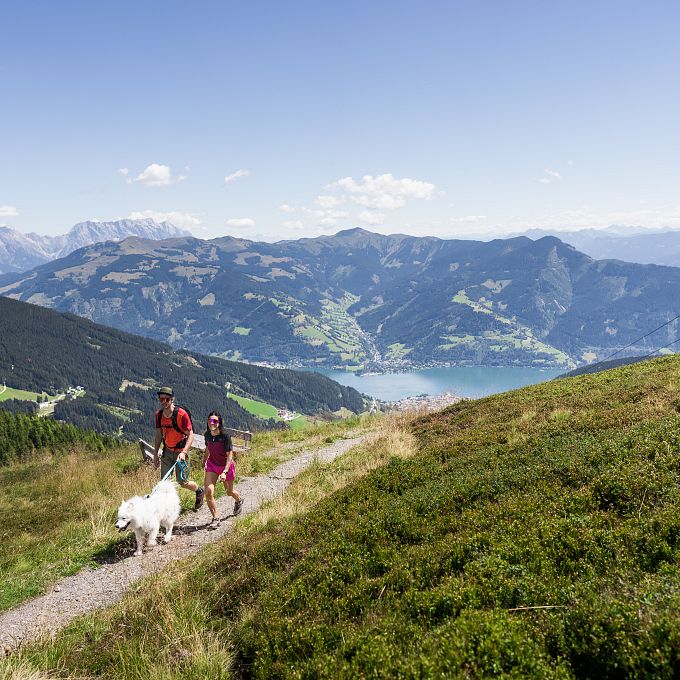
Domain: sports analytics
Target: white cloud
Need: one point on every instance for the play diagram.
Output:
(384, 192)
(328, 222)
(586, 217)
(371, 217)
(125, 174)
(583, 217)
(179, 219)
(240, 223)
(8, 211)
(236, 175)
(550, 176)
(154, 175)
(293, 224)
(327, 201)
(284, 207)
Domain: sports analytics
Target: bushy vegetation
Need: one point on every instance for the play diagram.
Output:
(21, 435)
(19, 406)
(534, 534)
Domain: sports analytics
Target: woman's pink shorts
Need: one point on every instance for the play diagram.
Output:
(218, 470)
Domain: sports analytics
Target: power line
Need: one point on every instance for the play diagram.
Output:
(643, 337)
(660, 348)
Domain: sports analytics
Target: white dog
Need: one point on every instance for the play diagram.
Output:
(146, 515)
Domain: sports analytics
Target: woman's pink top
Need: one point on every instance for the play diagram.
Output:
(218, 448)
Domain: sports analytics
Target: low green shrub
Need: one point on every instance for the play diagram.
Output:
(516, 543)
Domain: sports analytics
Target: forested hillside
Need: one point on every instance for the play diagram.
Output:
(22, 434)
(44, 350)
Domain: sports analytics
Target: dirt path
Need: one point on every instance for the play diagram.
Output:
(93, 589)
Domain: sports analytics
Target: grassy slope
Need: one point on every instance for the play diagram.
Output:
(11, 393)
(535, 534)
(54, 522)
(263, 410)
(57, 511)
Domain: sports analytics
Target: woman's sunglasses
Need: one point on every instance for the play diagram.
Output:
(213, 421)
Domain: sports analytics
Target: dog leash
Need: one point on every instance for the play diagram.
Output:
(183, 474)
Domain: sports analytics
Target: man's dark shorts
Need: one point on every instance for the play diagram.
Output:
(168, 459)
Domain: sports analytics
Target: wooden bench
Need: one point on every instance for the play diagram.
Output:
(243, 436)
(240, 440)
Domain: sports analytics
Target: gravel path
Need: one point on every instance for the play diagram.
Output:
(93, 589)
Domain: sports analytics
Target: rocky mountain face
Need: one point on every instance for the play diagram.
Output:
(363, 300)
(20, 252)
(631, 245)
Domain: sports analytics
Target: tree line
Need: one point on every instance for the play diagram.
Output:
(22, 435)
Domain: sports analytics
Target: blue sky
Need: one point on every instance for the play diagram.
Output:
(276, 120)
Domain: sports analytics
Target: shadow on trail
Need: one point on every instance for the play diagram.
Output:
(124, 547)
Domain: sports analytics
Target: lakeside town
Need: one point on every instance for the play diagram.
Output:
(421, 402)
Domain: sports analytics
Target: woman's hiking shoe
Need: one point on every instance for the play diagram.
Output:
(238, 506)
(200, 495)
(215, 524)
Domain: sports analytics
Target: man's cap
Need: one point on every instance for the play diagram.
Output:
(168, 391)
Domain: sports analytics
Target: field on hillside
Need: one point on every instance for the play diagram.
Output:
(264, 410)
(533, 534)
(12, 393)
(58, 505)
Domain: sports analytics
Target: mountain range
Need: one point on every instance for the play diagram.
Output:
(20, 252)
(620, 243)
(365, 301)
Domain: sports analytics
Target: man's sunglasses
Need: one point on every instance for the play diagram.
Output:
(164, 399)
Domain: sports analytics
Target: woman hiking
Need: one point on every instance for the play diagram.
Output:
(219, 465)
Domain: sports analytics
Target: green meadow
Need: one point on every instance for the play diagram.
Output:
(530, 534)
(263, 410)
(12, 393)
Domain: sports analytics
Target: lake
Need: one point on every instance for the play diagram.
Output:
(464, 381)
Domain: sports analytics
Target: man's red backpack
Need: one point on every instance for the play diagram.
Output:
(175, 413)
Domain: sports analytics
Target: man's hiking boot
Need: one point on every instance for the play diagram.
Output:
(238, 506)
(200, 495)
(215, 524)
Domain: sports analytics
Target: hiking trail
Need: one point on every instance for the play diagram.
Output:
(96, 588)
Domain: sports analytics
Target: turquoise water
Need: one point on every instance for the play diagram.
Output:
(464, 381)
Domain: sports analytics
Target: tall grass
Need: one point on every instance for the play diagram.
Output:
(390, 438)
(12, 669)
(530, 534)
(274, 447)
(57, 510)
(168, 628)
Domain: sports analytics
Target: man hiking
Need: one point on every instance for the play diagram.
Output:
(175, 432)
